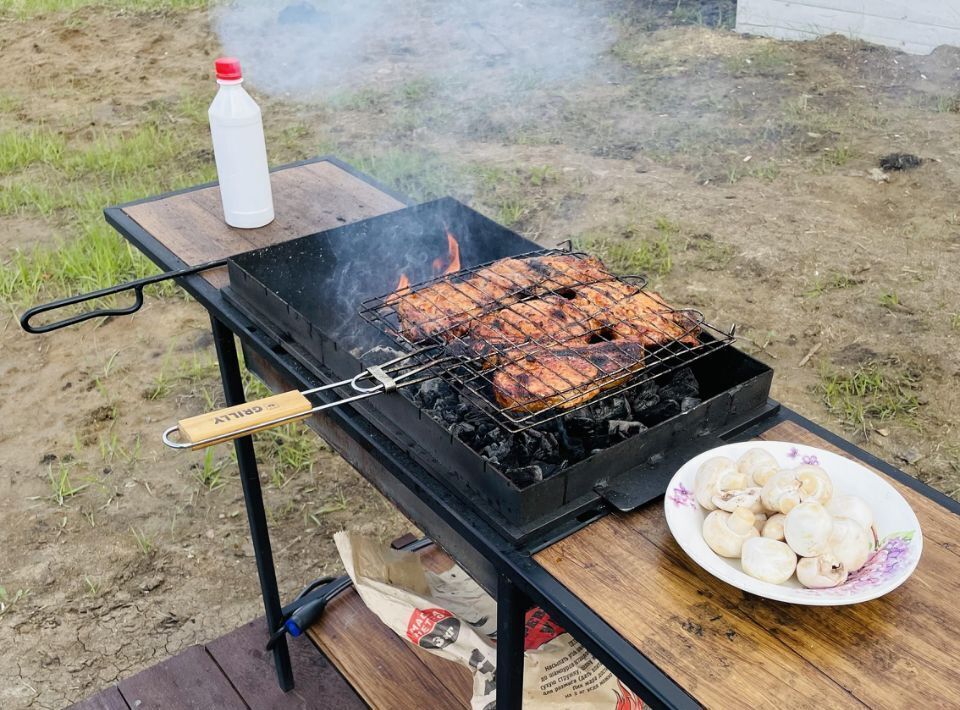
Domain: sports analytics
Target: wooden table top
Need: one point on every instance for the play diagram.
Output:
(307, 198)
(726, 648)
(731, 649)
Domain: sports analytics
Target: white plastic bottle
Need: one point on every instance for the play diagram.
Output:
(240, 151)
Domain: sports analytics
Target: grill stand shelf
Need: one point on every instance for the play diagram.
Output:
(319, 194)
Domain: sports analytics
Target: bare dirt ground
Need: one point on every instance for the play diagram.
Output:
(738, 171)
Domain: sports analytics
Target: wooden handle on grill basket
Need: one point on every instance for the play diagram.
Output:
(230, 423)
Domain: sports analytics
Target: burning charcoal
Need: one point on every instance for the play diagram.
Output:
(433, 390)
(683, 384)
(462, 430)
(664, 409)
(643, 397)
(545, 450)
(624, 429)
(534, 444)
(526, 475)
(497, 451)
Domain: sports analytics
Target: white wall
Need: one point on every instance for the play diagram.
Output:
(915, 26)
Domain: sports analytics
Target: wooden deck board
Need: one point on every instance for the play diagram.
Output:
(242, 658)
(728, 648)
(232, 671)
(109, 699)
(190, 679)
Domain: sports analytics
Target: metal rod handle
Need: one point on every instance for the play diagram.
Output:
(230, 423)
(224, 434)
(135, 286)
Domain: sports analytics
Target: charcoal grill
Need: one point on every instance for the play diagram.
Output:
(305, 293)
(320, 298)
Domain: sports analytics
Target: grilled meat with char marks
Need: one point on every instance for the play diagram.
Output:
(565, 377)
(551, 321)
(448, 306)
(534, 319)
(625, 311)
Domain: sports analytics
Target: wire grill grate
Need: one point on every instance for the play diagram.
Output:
(531, 338)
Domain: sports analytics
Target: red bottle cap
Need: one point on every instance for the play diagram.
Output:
(228, 68)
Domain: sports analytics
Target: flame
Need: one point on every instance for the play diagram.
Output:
(452, 262)
(453, 257)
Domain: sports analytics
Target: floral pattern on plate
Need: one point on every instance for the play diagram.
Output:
(895, 551)
(682, 497)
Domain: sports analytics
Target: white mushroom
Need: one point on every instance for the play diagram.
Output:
(807, 529)
(768, 560)
(759, 520)
(850, 543)
(781, 492)
(748, 498)
(821, 572)
(842, 506)
(715, 476)
(758, 465)
(814, 483)
(773, 528)
(725, 532)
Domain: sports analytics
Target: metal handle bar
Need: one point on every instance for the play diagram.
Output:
(135, 286)
(388, 377)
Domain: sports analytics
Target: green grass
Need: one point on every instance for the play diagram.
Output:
(115, 157)
(947, 104)
(189, 375)
(20, 149)
(633, 250)
(69, 185)
(422, 175)
(144, 543)
(97, 258)
(890, 301)
(838, 157)
(209, 473)
(24, 9)
(644, 256)
(513, 195)
(61, 489)
(870, 393)
(832, 282)
(290, 450)
(768, 59)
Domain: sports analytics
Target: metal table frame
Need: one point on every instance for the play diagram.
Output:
(509, 573)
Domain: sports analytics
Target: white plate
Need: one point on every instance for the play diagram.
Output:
(896, 527)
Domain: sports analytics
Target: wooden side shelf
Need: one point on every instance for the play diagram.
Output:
(388, 672)
(728, 648)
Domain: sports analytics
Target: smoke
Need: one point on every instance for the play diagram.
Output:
(311, 50)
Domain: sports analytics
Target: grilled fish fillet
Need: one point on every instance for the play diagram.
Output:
(565, 377)
(449, 305)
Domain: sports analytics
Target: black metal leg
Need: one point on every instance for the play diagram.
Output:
(253, 497)
(512, 607)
